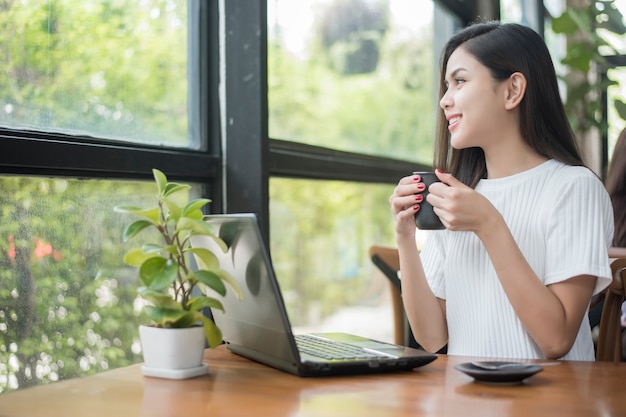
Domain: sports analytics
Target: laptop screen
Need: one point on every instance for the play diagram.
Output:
(258, 322)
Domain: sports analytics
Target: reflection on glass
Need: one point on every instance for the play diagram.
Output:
(320, 235)
(114, 70)
(67, 301)
(353, 75)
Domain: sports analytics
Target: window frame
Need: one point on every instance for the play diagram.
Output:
(29, 152)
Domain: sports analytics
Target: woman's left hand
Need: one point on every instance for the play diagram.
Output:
(460, 207)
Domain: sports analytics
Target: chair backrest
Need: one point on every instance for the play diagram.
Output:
(387, 261)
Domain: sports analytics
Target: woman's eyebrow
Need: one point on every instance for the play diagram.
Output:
(452, 75)
(455, 72)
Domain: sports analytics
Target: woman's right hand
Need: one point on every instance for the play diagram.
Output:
(405, 202)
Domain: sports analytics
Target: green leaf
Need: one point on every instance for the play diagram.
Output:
(211, 279)
(198, 303)
(564, 24)
(151, 214)
(197, 226)
(223, 246)
(136, 257)
(192, 209)
(153, 248)
(173, 187)
(159, 299)
(200, 227)
(212, 332)
(160, 179)
(579, 56)
(232, 282)
(227, 278)
(166, 317)
(134, 228)
(157, 273)
(191, 319)
(175, 210)
(205, 258)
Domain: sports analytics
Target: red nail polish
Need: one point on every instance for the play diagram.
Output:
(416, 178)
(416, 207)
(439, 171)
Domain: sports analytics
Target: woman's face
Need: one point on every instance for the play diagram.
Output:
(473, 102)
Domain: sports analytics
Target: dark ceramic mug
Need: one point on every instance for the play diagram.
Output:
(425, 217)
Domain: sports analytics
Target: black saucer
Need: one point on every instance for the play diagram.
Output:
(513, 373)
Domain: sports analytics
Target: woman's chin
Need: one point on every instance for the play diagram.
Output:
(459, 144)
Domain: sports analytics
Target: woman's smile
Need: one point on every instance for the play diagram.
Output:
(453, 121)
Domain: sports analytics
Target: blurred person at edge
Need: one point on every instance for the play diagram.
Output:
(616, 186)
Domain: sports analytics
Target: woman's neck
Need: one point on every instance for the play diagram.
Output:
(511, 160)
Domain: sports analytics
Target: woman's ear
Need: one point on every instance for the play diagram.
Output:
(515, 90)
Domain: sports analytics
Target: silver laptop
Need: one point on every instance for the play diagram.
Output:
(258, 327)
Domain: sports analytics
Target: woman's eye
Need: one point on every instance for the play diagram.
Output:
(459, 80)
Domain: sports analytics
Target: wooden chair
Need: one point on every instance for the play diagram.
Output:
(617, 252)
(609, 346)
(388, 262)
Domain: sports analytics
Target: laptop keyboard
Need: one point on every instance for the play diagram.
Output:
(331, 349)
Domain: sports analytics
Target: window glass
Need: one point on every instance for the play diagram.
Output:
(68, 304)
(353, 75)
(108, 69)
(320, 234)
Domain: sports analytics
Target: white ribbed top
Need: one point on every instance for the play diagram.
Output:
(561, 218)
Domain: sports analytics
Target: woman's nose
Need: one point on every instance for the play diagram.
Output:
(445, 101)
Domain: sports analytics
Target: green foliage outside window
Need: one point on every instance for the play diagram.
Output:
(320, 233)
(587, 49)
(385, 112)
(66, 299)
(112, 69)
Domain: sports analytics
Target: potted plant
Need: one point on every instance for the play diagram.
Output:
(175, 291)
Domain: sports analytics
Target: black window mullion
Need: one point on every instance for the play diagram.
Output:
(245, 137)
(297, 160)
(41, 154)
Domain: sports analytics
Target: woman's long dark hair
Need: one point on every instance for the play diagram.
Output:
(505, 48)
(616, 186)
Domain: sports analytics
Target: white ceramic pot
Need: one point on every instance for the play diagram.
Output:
(173, 353)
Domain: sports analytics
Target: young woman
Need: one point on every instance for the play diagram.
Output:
(527, 225)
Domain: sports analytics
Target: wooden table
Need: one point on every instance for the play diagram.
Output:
(238, 387)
